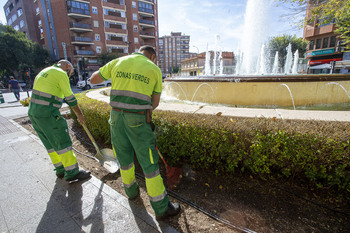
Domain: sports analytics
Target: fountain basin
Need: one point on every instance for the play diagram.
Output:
(258, 90)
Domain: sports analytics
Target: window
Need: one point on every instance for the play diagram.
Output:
(136, 28)
(39, 22)
(37, 10)
(78, 7)
(16, 27)
(332, 42)
(96, 23)
(318, 43)
(312, 45)
(94, 10)
(134, 16)
(14, 17)
(9, 22)
(7, 12)
(146, 7)
(133, 4)
(19, 11)
(97, 37)
(98, 49)
(325, 42)
(136, 40)
(21, 23)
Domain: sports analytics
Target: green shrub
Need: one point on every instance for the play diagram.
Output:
(309, 151)
(96, 115)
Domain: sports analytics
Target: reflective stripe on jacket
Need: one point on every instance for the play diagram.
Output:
(129, 100)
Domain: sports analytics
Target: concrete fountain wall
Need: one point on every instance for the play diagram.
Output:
(286, 90)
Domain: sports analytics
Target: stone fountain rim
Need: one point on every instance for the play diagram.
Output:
(262, 78)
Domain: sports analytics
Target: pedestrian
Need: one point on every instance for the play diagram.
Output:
(51, 85)
(15, 87)
(135, 92)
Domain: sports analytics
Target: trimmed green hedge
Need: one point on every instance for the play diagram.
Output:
(311, 151)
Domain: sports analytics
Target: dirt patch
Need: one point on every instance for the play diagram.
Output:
(235, 204)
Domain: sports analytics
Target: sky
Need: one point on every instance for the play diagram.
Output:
(203, 20)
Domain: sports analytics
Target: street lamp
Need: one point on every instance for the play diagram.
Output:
(196, 48)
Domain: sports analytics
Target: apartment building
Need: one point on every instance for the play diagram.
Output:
(22, 15)
(195, 66)
(325, 50)
(82, 30)
(172, 50)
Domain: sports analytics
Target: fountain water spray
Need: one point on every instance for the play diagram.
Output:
(207, 63)
(275, 64)
(295, 64)
(255, 33)
(289, 60)
(262, 62)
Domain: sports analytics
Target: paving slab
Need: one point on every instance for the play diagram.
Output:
(32, 199)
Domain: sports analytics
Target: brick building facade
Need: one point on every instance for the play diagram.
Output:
(82, 30)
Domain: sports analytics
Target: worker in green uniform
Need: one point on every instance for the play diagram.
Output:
(135, 91)
(51, 85)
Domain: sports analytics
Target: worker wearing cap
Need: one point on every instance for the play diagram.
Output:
(51, 86)
(135, 91)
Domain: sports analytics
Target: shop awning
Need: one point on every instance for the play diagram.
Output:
(323, 61)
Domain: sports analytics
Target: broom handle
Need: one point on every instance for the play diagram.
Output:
(91, 138)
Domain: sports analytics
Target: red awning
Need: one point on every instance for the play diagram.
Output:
(323, 61)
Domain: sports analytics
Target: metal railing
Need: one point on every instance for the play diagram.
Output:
(81, 39)
(78, 11)
(145, 21)
(146, 10)
(80, 25)
(83, 52)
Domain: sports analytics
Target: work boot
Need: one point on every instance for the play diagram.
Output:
(60, 175)
(82, 175)
(136, 195)
(173, 209)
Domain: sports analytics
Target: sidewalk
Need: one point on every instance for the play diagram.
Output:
(32, 199)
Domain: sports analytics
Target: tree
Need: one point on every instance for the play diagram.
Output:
(175, 69)
(107, 57)
(328, 11)
(14, 49)
(19, 53)
(280, 44)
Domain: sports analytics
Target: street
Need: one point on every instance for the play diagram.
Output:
(9, 97)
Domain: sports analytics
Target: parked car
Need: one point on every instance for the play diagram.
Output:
(87, 85)
(22, 84)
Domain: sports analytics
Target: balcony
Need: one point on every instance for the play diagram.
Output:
(82, 40)
(145, 10)
(147, 34)
(84, 53)
(78, 13)
(80, 27)
(115, 16)
(151, 43)
(146, 23)
(113, 4)
(147, 1)
(116, 40)
(311, 31)
(116, 30)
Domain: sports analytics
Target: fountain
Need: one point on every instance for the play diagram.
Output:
(252, 85)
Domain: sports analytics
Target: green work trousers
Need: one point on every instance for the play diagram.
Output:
(53, 133)
(131, 134)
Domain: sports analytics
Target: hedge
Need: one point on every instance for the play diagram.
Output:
(315, 152)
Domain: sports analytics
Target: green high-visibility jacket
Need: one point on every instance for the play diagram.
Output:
(51, 85)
